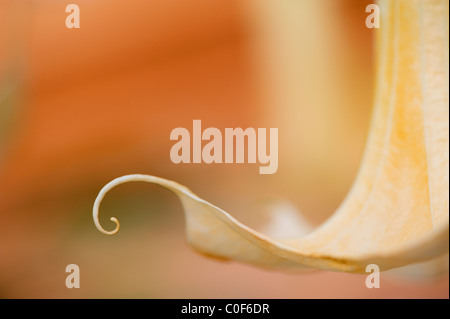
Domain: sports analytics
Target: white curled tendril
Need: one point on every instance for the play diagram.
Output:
(132, 178)
(106, 189)
(98, 201)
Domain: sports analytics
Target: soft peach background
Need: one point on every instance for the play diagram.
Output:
(85, 106)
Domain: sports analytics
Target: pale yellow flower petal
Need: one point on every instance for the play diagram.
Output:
(397, 210)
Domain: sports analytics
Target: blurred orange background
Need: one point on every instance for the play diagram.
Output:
(79, 107)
